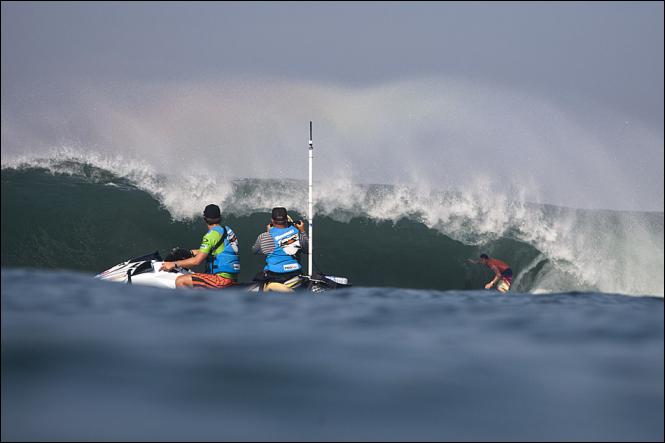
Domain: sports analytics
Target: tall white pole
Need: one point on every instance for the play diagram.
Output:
(311, 206)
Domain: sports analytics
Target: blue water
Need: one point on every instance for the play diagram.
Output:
(89, 360)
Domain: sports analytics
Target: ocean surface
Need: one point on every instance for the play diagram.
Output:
(415, 350)
(91, 360)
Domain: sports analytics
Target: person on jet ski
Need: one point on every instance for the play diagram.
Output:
(281, 244)
(219, 249)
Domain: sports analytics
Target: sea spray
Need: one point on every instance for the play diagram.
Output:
(430, 132)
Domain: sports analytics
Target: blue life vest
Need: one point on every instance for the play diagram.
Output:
(287, 245)
(226, 260)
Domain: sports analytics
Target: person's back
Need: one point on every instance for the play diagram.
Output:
(219, 250)
(221, 245)
(282, 244)
(498, 264)
(285, 248)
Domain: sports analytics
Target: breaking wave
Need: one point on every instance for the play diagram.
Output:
(87, 212)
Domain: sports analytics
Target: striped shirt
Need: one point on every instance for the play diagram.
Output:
(265, 244)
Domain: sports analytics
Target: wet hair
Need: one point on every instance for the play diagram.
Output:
(212, 221)
(485, 256)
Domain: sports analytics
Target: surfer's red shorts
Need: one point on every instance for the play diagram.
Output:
(211, 281)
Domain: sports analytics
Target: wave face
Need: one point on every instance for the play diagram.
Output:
(87, 213)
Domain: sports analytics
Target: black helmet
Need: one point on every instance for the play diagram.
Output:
(279, 215)
(212, 212)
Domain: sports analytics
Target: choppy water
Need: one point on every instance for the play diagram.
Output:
(89, 360)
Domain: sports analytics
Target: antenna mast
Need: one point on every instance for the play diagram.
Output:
(310, 255)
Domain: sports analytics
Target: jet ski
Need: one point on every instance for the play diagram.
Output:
(144, 270)
(315, 283)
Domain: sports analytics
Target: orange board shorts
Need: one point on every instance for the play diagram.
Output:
(211, 281)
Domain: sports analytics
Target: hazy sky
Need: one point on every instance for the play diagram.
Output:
(579, 60)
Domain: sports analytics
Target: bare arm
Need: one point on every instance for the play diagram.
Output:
(198, 258)
(496, 278)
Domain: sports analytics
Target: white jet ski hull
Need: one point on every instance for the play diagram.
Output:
(143, 272)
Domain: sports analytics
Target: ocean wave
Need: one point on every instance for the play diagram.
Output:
(551, 248)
